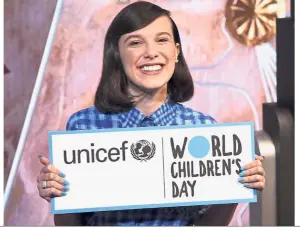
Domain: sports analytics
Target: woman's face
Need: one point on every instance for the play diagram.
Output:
(149, 55)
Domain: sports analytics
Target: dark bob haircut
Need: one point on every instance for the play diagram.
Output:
(112, 93)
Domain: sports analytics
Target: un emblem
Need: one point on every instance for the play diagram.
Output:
(142, 150)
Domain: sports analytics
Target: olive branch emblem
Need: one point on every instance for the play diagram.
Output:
(142, 158)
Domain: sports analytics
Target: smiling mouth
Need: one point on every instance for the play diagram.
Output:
(151, 69)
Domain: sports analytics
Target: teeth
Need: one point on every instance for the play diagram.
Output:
(151, 68)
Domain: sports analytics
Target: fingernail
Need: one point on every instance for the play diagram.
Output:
(66, 188)
(40, 156)
(62, 175)
(243, 168)
(246, 185)
(63, 193)
(66, 183)
(241, 179)
(242, 174)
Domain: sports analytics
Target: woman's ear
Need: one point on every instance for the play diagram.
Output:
(177, 52)
(177, 49)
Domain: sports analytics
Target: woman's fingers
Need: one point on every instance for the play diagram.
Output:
(253, 171)
(260, 158)
(51, 192)
(52, 189)
(253, 164)
(51, 169)
(251, 179)
(52, 177)
(48, 167)
(257, 185)
(53, 184)
(44, 160)
(253, 174)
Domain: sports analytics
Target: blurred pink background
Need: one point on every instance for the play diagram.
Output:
(232, 90)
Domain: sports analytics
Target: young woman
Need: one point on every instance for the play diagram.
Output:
(144, 80)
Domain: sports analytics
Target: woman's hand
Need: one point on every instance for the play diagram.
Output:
(253, 174)
(50, 181)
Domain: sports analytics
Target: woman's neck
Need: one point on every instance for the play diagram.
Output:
(149, 103)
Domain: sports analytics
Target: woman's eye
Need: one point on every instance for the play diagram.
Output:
(162, 40)
(134, 43)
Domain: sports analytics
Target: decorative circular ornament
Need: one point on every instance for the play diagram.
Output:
(253, 22)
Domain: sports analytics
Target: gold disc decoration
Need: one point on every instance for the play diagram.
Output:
(253, 22)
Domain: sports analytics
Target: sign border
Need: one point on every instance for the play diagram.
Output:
(146, 206)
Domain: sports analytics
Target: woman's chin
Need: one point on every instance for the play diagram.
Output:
(153, 87)
(148, 86)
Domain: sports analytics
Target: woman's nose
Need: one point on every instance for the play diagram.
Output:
(151, 52)
(151, 55)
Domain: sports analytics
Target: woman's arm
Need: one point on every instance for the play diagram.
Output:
(217, 215)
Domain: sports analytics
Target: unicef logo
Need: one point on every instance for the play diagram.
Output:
(142, 150)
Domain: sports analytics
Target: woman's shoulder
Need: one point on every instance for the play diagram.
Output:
(193, 115)
(89, 118)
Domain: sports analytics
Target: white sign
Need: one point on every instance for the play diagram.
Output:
(130, 168)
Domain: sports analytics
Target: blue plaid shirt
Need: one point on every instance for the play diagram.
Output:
(168, 114)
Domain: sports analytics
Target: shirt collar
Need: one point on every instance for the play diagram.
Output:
(161, 117)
